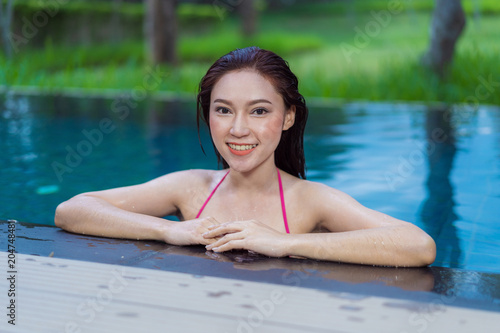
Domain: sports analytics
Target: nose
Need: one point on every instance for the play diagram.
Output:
(239, 127)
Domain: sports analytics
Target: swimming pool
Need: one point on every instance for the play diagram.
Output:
(436, 168)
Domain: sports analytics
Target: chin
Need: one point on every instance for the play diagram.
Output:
(241, 167)
(245, 164)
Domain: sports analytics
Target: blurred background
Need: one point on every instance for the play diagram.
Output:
(403, 99)
(348, 49)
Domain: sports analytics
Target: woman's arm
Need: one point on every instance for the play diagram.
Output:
(401, 245)
(362, 235)
(358, 234)
(134, 212)
(92, 214)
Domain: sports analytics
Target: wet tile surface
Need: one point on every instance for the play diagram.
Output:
(73, 295)
(460, 288)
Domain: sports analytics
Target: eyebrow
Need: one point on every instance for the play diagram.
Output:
(253, 102)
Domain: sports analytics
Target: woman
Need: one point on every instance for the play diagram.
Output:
(261, 201)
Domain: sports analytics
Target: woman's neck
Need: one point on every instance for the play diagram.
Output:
(262, 178)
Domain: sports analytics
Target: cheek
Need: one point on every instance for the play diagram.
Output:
(218, 131)
(215, 126)
(274, 127)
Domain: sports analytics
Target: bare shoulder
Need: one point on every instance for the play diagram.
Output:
(322, 199)
(200, 179)
(315, 192)
(328, 208)
(338, 211)
(187, 178)
(187, 183)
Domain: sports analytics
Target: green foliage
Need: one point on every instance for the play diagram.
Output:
(488, 7)
(77, 6)
(210, 47)
(406, 79)
(189, 12)
(366, 6)
(185, 11)
(309, 37)
(121, 65)
(399, 79)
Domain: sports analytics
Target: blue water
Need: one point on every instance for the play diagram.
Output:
(437, 169)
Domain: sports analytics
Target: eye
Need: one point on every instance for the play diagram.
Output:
(260, 111)
(222, 110)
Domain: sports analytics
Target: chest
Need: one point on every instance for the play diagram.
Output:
(267, 209)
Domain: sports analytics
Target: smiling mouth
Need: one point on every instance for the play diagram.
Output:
(241, 149)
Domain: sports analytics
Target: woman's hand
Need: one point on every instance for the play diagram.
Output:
(247, 235)
(190, 232)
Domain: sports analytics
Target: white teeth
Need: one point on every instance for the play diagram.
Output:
(241, 147)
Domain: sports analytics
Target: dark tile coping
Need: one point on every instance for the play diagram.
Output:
(434, 285)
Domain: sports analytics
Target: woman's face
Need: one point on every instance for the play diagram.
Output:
(247, 117)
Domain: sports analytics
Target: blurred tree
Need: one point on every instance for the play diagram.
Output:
(116, 20)
(448, 22)
(5, 23)
(161, 31)
(248, 14)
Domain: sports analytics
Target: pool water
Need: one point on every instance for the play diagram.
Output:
(436, 168)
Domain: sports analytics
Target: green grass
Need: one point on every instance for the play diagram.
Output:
(185, 11)
(404, 79)
(122, 66)
(211, 46)
(387, 68)
(304, 7)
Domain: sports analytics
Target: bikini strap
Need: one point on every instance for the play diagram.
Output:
(211, 194)
(282, 197)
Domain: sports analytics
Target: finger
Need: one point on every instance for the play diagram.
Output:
(231, 245)
(227, 238)
(211, 234)
(223, 229)
(207, 241)
(217, 243)
(213, 226)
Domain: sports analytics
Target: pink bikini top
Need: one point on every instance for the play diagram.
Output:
(281, 196)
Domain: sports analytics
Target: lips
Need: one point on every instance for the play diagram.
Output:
(241, 149)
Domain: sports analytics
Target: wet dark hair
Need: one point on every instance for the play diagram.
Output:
(289, 155)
